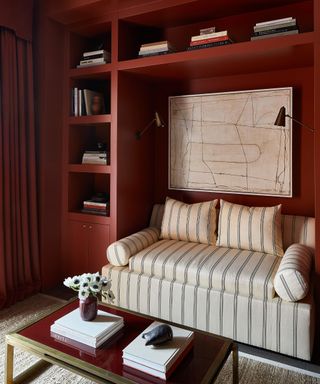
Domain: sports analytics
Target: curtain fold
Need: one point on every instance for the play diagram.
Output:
(19, 243)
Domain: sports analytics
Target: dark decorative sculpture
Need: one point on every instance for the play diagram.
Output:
(158, 335)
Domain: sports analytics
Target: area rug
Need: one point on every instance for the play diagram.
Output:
(250, 371)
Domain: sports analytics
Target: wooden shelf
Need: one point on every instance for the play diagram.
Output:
(280, 52)
(99, 72)
(87, 217)
(86, 120)
(89, 168)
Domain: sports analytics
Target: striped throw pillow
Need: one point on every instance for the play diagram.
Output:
(291, 281)
(189, 222)
(253, 228)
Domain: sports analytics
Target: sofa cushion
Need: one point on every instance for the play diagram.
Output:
(242, 272)
(291, 281)
(189, 222)
(252, 228)
(119, 252)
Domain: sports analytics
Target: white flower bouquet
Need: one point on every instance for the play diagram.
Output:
(90, 284)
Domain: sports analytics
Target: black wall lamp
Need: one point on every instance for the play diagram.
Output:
(281, 119)
(158, 122)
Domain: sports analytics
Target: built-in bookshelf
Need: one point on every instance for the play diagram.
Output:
(134, 87)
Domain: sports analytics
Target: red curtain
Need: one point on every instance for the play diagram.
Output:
(19, 248)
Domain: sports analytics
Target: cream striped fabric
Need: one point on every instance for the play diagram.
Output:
(189, 222)
(275, 324)
(292, 278)
(252, 228)
(298, 229)
(295, 229)
(238, 271)
(119, 252)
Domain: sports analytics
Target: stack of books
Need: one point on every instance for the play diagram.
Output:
(98, 205)
(85, 102)
(209, 38)
(159, 361)
(278, 27)
(96, 157)
(71, 329)
(94, 58)
(157, 48)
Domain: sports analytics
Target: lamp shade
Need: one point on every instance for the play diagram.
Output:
(281, 118)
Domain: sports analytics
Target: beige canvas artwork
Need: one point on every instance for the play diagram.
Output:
(227, 142)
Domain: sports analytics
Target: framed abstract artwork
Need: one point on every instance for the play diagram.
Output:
(227, 142)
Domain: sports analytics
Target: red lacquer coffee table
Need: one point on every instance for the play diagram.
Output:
(104, 364)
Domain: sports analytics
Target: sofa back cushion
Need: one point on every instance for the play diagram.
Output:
(189, 222)
(295, 229)
(253, 228)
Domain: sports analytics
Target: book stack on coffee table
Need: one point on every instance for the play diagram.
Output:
(161, 360)
(71, 329)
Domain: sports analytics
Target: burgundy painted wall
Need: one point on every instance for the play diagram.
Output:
(17, 15)
(301, 79)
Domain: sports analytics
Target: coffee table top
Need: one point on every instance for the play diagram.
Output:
(201, 365)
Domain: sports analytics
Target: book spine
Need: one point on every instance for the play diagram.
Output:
(73, 343)
(144, 368)
(295, 31)
(206, 31)
(153, 49)
(160, 43)
(275, 30)
(92, 204)
(207, 41)
(154, 54)
(273, 26)
(76, 104)
(275, 21)
(73, 335)
(90, 61)
(91, 53)
(209, 36)
(210, 45)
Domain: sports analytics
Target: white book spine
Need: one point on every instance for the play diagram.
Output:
(91, 61)
(92, 53)
(73, 335)
(209, 35)
(290, 23)
(275, 21)
(144, 368)
(76, 105)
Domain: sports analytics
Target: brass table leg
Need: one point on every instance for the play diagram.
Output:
(235, 364)
(8, 373)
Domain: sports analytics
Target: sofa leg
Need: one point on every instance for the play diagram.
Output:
(235, 364)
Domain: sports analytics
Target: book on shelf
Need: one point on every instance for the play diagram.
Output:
(209, 35)
(94, 58)
(275, 31)
(159, 361)
(211, 40)
(284, 24)
(266, 36)
(86, 102)
(92, 333)
(206, 31)
(95, 212)
(209, 45)
(275, 21)
(101, 157)
(159, 47)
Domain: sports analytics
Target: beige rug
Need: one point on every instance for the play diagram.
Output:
(250, 371)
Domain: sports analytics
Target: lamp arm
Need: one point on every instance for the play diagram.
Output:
(299, 122)
(140, 133)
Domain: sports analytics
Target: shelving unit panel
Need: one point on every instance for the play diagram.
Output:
(87, 39)
(89, 218)
(100, 72)
(280, 52)
(90, 168)
(83, 186)
(93, 119)
(86, 137)
(178, 24)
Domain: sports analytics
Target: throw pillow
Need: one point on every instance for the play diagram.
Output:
(251, 228)
(291, 281)
(189, 222)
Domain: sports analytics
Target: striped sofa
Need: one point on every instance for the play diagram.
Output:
(222, 290)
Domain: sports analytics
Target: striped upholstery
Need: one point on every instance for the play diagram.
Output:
(295, 229)
(273, 324)
(238, 271)
(189, 222)
(119, 252)
(292, 278)
(252, 228)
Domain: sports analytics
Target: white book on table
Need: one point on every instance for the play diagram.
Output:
(159, 358)
(89, 331)
(56, 331)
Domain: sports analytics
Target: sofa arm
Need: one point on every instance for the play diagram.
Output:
(119, 252)
(291, 281)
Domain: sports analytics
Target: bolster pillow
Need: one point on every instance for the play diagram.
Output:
(291, 281)
(119, 252)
